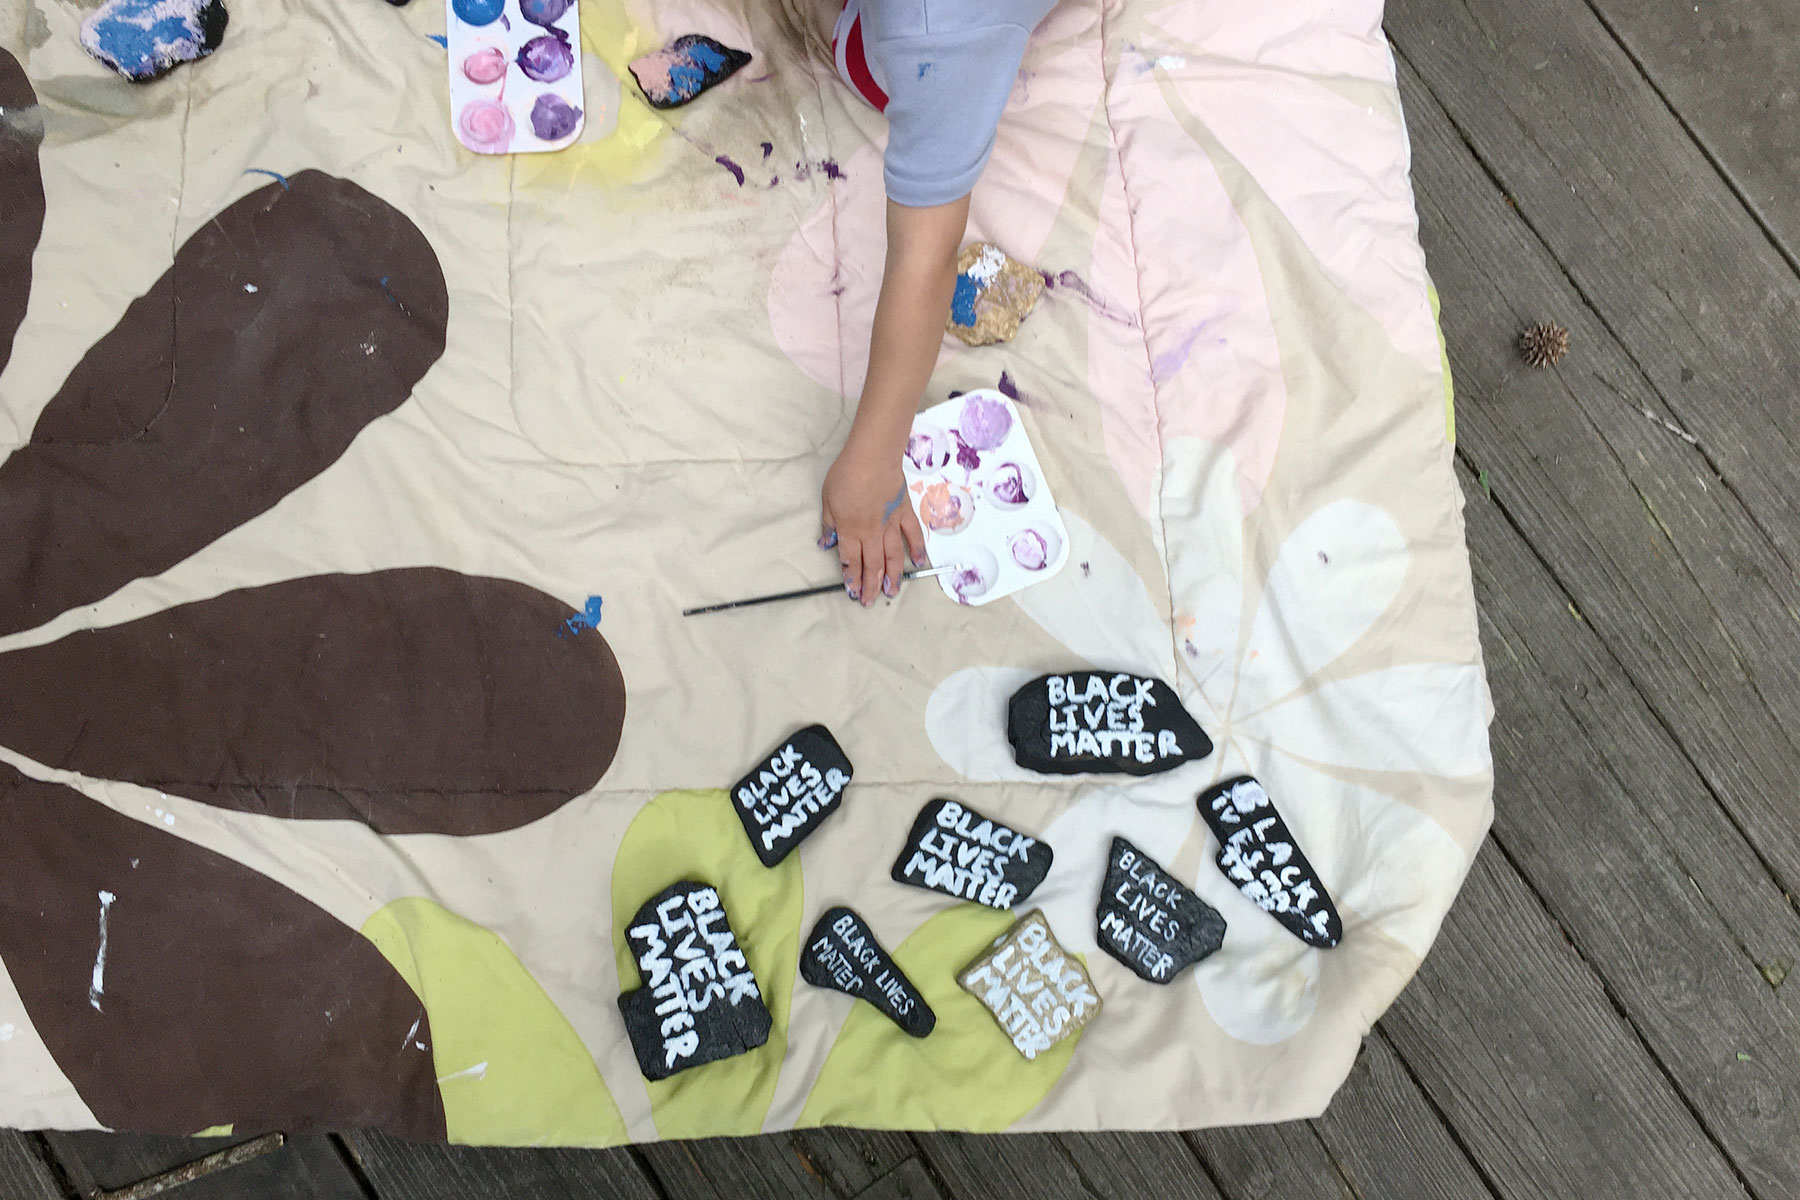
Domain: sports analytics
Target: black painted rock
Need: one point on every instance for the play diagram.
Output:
(1102, 722)
(1038, 991)
(785, 798)
(1149, 920)
(687, 66)
(841, 953)
(955, 850)
(699, 1002)
(1260, 856)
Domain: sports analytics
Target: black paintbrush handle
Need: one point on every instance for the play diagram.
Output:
(821, 590)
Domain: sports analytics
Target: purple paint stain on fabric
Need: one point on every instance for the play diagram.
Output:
(832, 170)
(768, 149)
(1102, 306)
(553, 118)
(1008, 388)
(725, 161)
(1168, 364)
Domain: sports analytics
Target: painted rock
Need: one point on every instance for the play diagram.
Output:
(687, 66)
(699, 1001)
(993, 295)
(1038, 992)
(787, 797)
(955, 850)
(1150, 921)
(841, 953)
(141, 39)
(1104, 722)
(1258, 854)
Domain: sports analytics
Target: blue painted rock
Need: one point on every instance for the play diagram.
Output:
(1258, 853)
(955, 850)
(141, 39)
(699, 1001)
(841, 953)
(784, 799)
(1151, 921)
(1101, 722)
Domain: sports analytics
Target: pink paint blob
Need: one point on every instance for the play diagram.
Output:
(487, 128)
(1035, 547)
(486, 65)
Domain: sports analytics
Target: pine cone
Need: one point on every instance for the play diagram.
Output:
(1544, 344)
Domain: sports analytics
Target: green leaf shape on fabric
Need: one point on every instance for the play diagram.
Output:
(966, 1075)
(695, 835)
(511, 1069)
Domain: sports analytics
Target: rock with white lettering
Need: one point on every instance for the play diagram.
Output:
(1038, 992)
(1258, 853)
(1102, 722)
(955, 850)
(842, 954)
(785, 798)
(700, 1001)
(1149, 920)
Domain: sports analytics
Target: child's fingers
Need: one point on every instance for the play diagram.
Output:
(828, 537)
(913, 535)
(850, 554)
(872, 565)
(893, 545)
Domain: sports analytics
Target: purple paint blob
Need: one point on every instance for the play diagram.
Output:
(724, 160)
(928, 447)
(1099, 304)
(1008, 388)
(553, 118)
(1011, 485)
(1035, 547)
(543, 12)
(548, 58)
(984, 423)
(832, 170)
(975, 574)
(768, 149)
(966, 458)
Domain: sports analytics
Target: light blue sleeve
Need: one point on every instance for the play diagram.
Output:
(946, 92)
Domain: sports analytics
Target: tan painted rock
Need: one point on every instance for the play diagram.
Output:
(993, 294)
(1038, 991)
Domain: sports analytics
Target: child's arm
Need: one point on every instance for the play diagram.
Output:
(873, 534)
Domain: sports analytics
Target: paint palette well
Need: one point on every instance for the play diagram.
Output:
(974, 483)
(515, 74)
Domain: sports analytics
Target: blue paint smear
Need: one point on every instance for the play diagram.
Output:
(962, 306)
(925, 69)
(439, 38)
(587, 618)
(277, 176)
(133, 39)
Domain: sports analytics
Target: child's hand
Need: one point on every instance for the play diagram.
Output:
(866, 516)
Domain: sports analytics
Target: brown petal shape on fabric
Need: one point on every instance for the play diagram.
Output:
(416, 700)
(222, 998)
(207, 403)
(21, 196)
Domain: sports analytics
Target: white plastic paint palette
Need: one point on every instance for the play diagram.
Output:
(974, 482)
(515, 74)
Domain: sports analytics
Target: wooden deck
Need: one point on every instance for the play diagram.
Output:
(1603, 1015)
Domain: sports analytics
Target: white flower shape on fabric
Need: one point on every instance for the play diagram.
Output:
(1269, 696)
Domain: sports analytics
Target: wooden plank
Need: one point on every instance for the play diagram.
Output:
(23, 1175)
(401, 1170)
(1659, 890)
(822, 1164)
(1016, 1166)
(1728, 67)
(909, 1181)
(306, 1168)
(1669, 563)
(851, 1159)
(1515, 1041)
(1386, 1140)
(1645, 226)
(1125, 1166)
(1271, 1162)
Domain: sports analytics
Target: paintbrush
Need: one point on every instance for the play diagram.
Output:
(821, 590)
